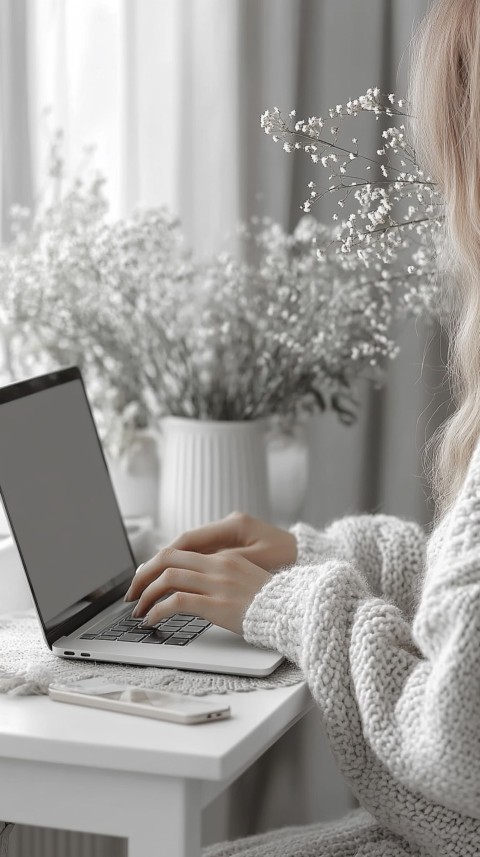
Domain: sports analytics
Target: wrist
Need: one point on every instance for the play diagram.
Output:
(275, 617)
(291, 548)
(312, 546)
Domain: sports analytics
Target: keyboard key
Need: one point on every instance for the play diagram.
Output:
(177, 641)
(171, 628)
(182, 616)
(195, 626)
(114, 636)
(131, 638)
(187, 636)
(109, 628)
(87, 636)
(157, 637)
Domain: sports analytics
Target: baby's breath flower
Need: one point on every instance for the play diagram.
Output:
(396, 211)
(156, 333)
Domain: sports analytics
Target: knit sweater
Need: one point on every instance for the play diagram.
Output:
(385, 625)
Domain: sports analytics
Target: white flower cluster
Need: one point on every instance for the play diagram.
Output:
(283, 334)
(157, 333)
(391, 213)
(73, 290)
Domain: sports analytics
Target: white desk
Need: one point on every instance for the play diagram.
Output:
(74, 768)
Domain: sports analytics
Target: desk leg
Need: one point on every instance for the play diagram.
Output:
(160, 816)
(5, 831)
(169, 822)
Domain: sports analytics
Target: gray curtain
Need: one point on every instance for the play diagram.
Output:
(307, 54)
(311, 54)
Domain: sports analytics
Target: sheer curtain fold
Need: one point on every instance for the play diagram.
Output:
(209, 178)
(15, 147)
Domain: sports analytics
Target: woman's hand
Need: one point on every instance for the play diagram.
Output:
(218, 587)
(239, 534)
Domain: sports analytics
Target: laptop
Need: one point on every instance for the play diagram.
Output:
(65, 519)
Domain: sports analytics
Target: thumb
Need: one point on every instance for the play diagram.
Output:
(210, 538)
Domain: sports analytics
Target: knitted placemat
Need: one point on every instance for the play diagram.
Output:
(27, 666)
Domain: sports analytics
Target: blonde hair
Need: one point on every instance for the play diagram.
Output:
(445, 94)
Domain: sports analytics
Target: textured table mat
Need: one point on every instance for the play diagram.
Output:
(27, 666)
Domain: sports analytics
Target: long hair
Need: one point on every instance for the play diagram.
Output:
(445, 97)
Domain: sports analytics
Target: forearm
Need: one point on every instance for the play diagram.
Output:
(388, 551)
(378, 695)
(308, 614)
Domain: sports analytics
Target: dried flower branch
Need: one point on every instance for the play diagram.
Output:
(285, 334)
(290, 332)
(391, 212)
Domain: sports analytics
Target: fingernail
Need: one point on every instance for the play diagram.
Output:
(126, 596)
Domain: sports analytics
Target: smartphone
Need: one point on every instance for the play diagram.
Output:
(162, 705)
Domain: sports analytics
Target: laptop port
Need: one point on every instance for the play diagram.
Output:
(69, 653)
(85, 654)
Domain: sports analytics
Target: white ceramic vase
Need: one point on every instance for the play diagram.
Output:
(209, 469)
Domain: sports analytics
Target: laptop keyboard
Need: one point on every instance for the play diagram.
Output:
(177, 630)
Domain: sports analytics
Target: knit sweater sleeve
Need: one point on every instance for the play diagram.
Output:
(390, 551)
(400, 700)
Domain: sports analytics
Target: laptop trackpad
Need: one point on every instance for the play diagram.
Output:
(224, 648)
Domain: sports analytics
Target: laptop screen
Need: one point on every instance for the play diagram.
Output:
(59, 498)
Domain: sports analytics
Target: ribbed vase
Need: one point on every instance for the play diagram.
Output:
(208, 470)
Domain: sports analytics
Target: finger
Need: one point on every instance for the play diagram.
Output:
(210, 537)
(180, 602)
(173, 580)
(166, 558)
